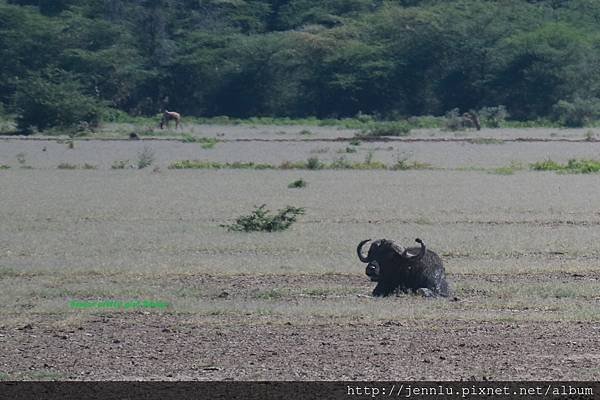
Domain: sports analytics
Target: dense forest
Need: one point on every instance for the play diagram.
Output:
(63, 61)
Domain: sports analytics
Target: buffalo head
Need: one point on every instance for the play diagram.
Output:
(385, 257)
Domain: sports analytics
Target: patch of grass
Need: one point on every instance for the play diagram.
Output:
(470, 168)
(187, 138)
(354, 142)
(486, 141)
(395, 128)
(121, 164)
(572, 166)
(260, 220)
(208, 143)
(145, 158)
(508, 170)
(312, 163)
(65, 165)
(199, 164)
(410, 165)
(89, 166)
(2, 166)
(343, 163)
(298, 184)
(305, 132)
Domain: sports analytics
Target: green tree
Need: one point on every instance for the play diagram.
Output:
(54, 98)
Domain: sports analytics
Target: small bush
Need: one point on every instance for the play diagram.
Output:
(145, 158)
(260, 220)
(493, 117)
(546, 165)
(590, 136)
(314, 163)
(397, 128)
(121, 164)
(572, 166)
(298, 184)
(67, 166)
(578, 113)
(453, 121)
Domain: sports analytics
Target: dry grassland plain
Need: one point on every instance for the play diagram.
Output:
(520, 249)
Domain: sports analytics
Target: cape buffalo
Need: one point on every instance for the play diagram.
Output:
(401, 270)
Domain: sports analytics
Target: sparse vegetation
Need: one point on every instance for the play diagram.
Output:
(572, 166)
(493, 117)
(310, 164)
(392, 128)
(508, 170)
(486, 141)
(145, 158)
(198, 164)
(66, 166)
(208, 143)
(260, 220)
(121, 164)
(314, 163)
(298, 184)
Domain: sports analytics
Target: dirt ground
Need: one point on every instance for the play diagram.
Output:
(158, 346)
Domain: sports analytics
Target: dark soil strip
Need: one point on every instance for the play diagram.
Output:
(477, 140)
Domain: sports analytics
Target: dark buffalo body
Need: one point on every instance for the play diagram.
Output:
(395, 269)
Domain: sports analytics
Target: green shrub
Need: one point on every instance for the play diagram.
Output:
(121, 164)
(493, 117)
(578, 113)
(145, 158)
(298, 184)
(65, 165)
(395, 128)
(573, 166)
(546, 165)
(314, 163)
(453, 121)
(260, 220)
(55, 99)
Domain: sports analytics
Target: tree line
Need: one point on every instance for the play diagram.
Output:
(64, 62)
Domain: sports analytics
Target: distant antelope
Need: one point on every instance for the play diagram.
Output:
(170, 116)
